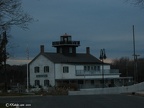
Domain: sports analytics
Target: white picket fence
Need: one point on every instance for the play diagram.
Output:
(112, 90)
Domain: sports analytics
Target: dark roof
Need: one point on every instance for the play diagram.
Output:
(81, 58)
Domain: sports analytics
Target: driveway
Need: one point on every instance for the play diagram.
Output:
(88, 101)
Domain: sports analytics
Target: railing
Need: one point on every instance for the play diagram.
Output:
(57, 43)
(94, 72)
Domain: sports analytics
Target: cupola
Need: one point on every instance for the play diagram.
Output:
(66, 46)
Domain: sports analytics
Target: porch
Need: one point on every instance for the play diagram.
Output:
(97, 72)
(97, 83)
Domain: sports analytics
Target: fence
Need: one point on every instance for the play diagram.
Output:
(111, 90)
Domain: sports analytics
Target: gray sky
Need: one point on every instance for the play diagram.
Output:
(96, 23)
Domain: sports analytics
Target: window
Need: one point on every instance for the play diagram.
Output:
(36, 69)
(37, 82)
(70, 50)
(46, 82)
(92, 68)
(95, 68)
(65, 69)
(87, 68)
(69, 38)
(65, 39)
(46, 68)
(98, 68)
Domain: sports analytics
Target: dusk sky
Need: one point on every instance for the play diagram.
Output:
(95, 23)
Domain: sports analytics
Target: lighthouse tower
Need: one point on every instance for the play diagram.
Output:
(66, 46)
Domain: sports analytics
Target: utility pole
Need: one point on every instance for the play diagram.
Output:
(135, 58)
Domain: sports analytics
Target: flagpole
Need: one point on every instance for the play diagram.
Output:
(27, 69)
(134, 52)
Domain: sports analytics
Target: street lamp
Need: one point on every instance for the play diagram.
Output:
(136, 76)
(102, 57)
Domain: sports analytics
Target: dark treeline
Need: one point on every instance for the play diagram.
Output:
(126, 67)
(15, 74)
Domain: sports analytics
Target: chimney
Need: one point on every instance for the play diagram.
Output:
(41, 48)
(87, 50)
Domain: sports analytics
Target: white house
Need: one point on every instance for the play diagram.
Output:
(67, 66)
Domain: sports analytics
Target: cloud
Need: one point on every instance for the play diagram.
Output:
(17, 61)
(96, 23)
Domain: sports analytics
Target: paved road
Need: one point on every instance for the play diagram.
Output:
(91, 101)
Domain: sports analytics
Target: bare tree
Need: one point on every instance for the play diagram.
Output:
(137, 2)
(11, 13)
(126, 67)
